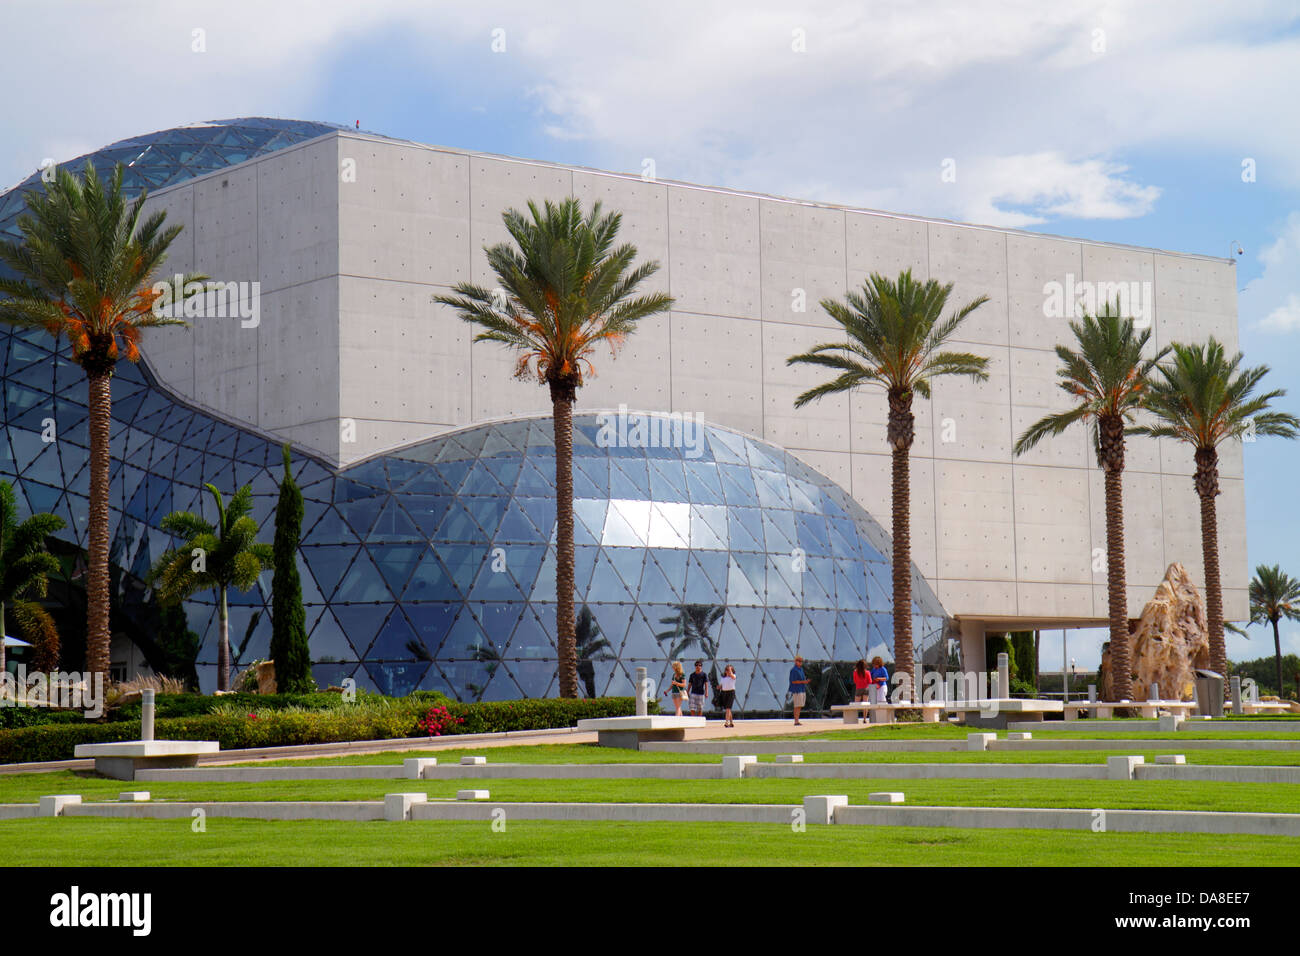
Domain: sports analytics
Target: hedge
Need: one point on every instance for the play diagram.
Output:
(367, 719)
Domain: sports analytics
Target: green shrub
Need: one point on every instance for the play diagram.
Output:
(239, 721)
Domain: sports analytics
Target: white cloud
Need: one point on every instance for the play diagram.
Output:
(1285, 317)
(1270, 302)
(1015, 90)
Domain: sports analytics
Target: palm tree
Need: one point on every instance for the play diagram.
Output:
(1274, 595)
(1107, 379)
(219, 557)
(692, 626)
(564, 289)
(1201, 398)
(25, 567)
(896, 331)
(86, 267)
(590, 647)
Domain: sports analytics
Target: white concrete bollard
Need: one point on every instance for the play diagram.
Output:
(146, 714)
(1171, 758)
(397, 806)
(789, 758)
(473, 761)
(133, 796)
(1123, 768)
(1020, 735)
(1092, 693)
(979, 741)
(640, 694)
(886, 796)
(734, 767)
(1168, 722)
(413, 767)
(472, 795)
(821, 809)
(1004, 675)
(53, 806)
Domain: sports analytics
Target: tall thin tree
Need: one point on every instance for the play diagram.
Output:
(564, 288)
(86, 266)
(1107, 380)
(289, 647)
(1203, 398)
(1274, 595)
(896, 336)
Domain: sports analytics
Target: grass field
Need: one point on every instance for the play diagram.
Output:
(85, 842)
(1085, 794)
(590, 754)
(82, 841)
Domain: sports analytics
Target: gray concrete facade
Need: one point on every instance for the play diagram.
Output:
(350, 236)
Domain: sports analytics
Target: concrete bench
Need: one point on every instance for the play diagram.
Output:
(997, 712)
(1264, 707)
(123, 760)
(631, 732)
(1149, 709)
(884, 713)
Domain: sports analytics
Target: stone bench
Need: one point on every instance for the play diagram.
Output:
(884, 713)
(1264, 707)
(631, 732)
(996, 712)
(124, 759)
(1149, 709)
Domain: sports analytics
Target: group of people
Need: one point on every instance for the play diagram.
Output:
(870, 684)
(695, 687)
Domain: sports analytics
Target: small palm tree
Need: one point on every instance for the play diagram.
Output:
(1274, 595)
(1201, 398)
(564, 289)
(25, 567)
(896, 333)
(1107, 379)
(219, 557)
(86, 266)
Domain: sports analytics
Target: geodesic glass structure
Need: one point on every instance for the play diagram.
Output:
(433, 567)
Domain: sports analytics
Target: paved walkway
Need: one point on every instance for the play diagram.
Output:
(714, 731)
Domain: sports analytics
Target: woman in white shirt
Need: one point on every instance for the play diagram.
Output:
(727, 692)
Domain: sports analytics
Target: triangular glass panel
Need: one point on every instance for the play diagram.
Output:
(430, 581)
(362, 583)
(397, 561)
(430, 623)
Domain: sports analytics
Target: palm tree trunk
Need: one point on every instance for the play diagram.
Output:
(97, 602)
(1277, 655)
(562, 398)
(901, 431)
(1207, 486)
(2, 641)
(1120, 650)
(223, 648)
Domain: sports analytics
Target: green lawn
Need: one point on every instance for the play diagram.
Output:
(947, 731)
(1135, 794)
(87, 842)
(591, 754)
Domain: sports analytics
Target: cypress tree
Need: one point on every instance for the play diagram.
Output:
(288, 621)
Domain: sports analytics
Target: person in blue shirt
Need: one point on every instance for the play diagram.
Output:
(798, 687)
(879, 681)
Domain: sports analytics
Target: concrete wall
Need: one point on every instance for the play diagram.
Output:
(349, 333)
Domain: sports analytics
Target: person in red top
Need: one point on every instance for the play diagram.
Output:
(861, 683)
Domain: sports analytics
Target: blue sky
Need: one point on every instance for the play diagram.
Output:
(1116, 121)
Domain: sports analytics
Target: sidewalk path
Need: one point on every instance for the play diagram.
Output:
(714, 731)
